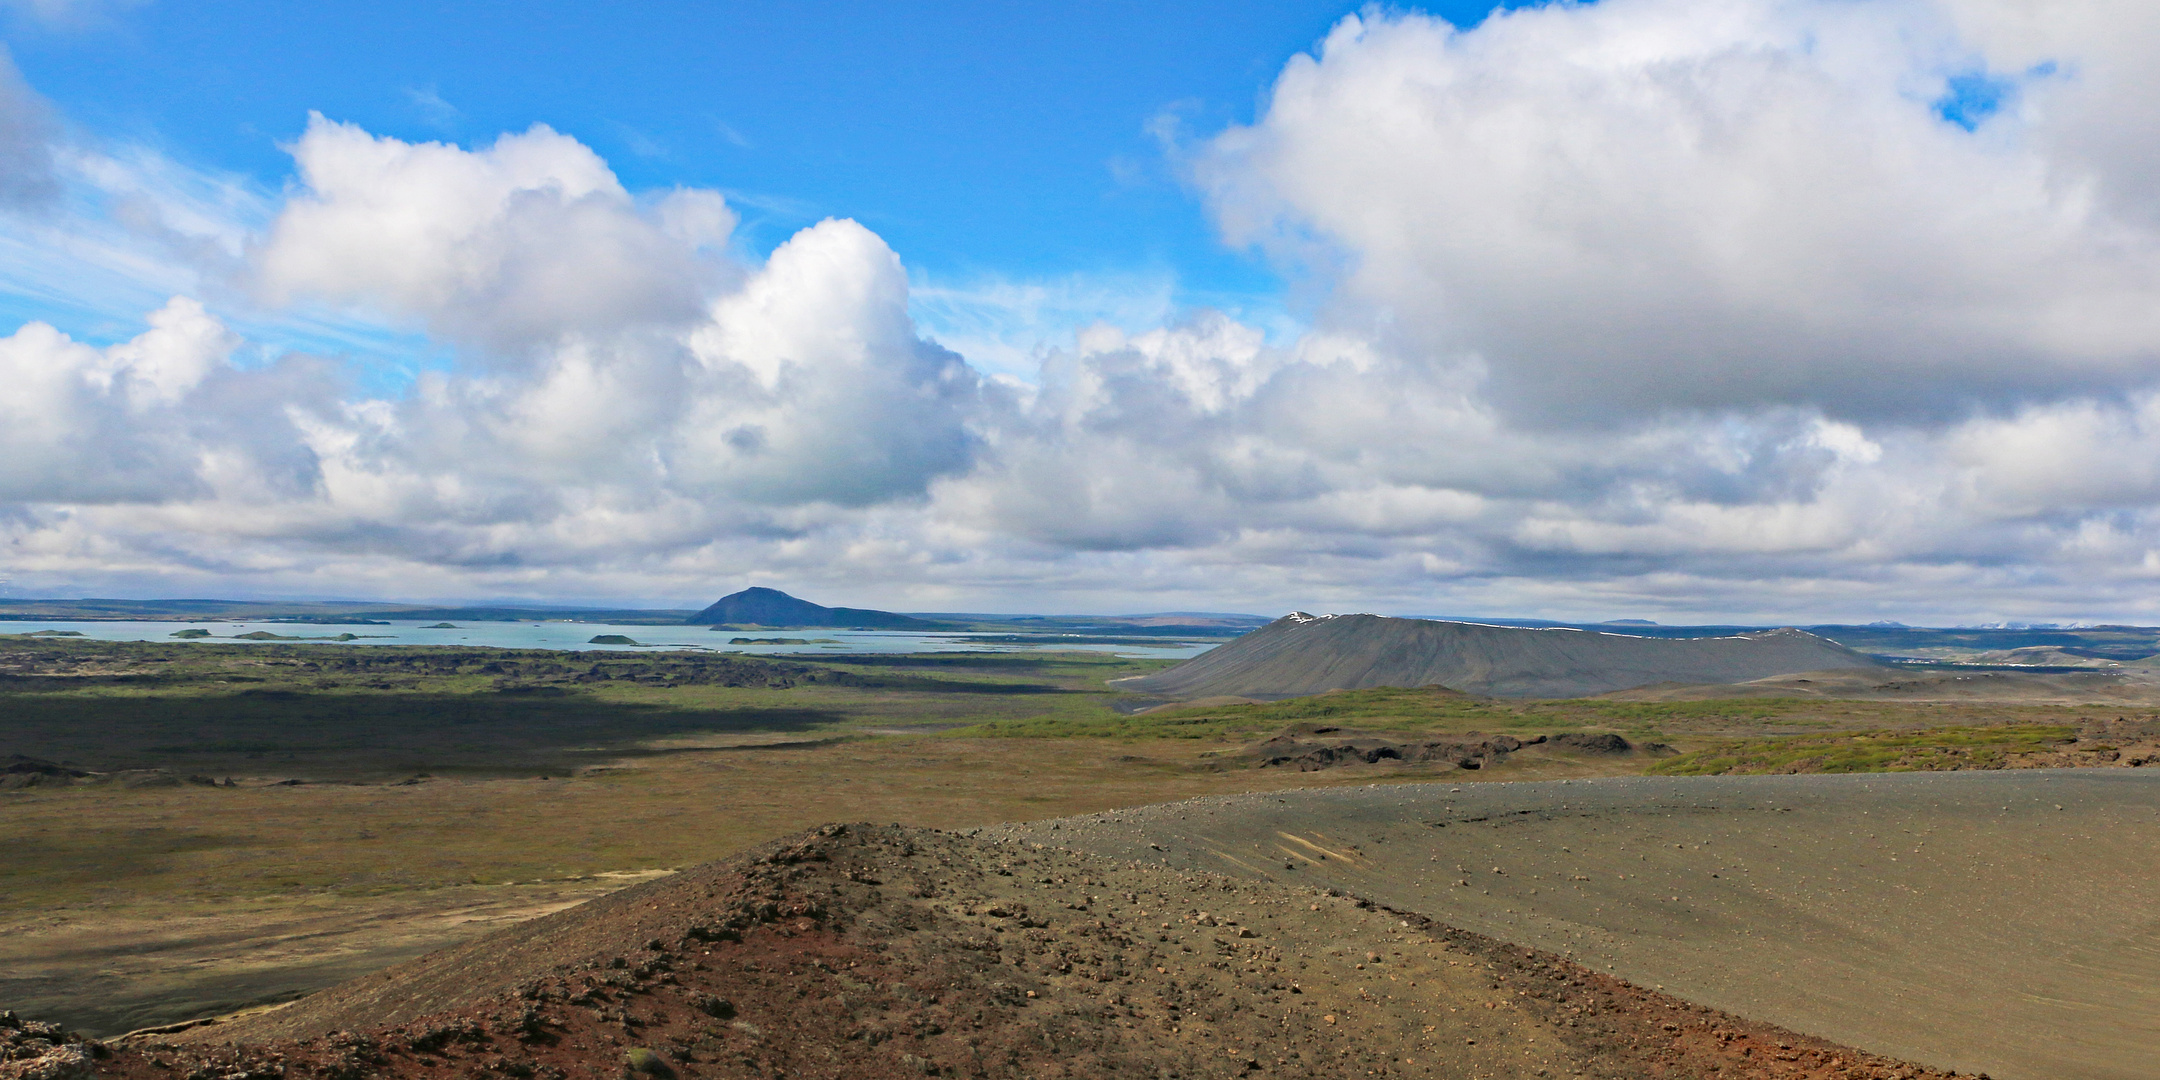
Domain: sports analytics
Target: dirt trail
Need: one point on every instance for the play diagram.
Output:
(1983, 921)
(868, 952)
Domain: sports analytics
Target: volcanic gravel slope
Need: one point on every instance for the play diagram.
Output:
(1303, 654)
(876, 952)
(1987, 921)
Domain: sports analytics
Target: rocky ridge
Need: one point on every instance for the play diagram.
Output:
(1312, 747)
(871, 952)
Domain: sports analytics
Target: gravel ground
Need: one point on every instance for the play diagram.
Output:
(1982, 921)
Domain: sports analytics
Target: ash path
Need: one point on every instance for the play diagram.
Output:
(1998, 922)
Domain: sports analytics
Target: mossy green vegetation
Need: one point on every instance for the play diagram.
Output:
(1941, 748)
(1392, 709)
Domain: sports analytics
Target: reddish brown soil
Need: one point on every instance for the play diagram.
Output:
(873, 952)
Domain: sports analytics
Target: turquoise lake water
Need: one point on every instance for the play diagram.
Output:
(578, 636)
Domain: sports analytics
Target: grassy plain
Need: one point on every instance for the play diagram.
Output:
(388, 800)
(362, 713)
(1922, 750)
(364, 770)
(1389, 709)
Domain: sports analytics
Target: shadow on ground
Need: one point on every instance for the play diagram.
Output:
(360, 736)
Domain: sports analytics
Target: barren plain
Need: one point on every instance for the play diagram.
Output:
(198, 830)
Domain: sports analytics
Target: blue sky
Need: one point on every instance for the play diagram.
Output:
(1693, 310)
(985, 142)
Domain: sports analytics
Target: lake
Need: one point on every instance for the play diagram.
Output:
(579, 635)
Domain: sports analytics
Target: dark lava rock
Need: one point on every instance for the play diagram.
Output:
(1307, 755)
(1602, 742)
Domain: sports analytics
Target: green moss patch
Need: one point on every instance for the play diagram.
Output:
(1929, 749)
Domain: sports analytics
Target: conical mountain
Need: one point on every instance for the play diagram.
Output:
(772, 608)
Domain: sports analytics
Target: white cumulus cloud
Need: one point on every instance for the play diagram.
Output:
(1668, 308)
(507, 247)
(1640, 205)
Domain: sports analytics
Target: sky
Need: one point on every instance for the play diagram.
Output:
(1758, 311)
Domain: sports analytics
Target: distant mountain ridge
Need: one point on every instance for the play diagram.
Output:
(1301, 654)
(757, 606)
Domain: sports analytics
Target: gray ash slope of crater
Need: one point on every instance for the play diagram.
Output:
(1301, 654)
(1982, 921)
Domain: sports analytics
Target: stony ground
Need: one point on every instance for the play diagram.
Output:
(873, 952)
(2127, 741)
(1996, 921)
